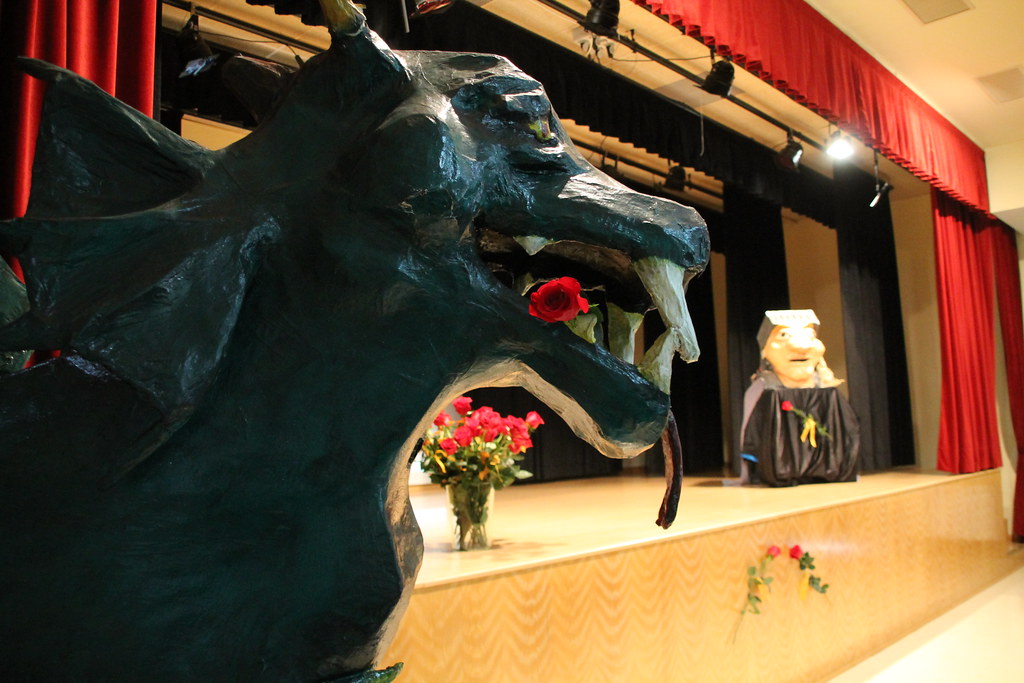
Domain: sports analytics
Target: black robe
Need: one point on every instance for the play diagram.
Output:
(772, 435)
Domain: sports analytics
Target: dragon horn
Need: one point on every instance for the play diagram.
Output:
(342, 16)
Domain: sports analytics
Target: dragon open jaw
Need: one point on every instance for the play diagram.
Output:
(629, 288)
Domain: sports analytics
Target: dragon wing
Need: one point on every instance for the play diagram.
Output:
(136, 255)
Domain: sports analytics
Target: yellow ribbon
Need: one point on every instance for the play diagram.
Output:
(805, 584)
(439, 463)
(810, 429)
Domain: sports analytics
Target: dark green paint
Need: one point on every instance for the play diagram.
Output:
(208, 484)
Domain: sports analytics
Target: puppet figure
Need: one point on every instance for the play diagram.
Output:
(797, 427)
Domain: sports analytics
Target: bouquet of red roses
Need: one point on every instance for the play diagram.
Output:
(481, 446)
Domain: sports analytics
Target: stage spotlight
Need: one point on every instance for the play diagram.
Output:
(602, 18)
(880, 192)
(425, 7)
(196, 56)
(676, 179)
(839, 146)
(788, 158)
(719, 81)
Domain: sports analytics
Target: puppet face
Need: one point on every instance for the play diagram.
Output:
(794, 353)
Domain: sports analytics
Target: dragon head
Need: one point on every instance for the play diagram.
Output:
(253, 339)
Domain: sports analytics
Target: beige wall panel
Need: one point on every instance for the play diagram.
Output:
(210, 134)
(915, 255)
(812, 268)
(718, 292)
(670, 611)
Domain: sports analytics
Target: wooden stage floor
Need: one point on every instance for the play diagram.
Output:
(552, 522)
(582, 586)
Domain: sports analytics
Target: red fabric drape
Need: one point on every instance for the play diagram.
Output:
(968, 433)
(829, 73)
(110, 42)
(1011, 324)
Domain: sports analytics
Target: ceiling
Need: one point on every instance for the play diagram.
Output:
(941, 61)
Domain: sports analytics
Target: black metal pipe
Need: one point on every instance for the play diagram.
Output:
(655, 57)
(243, 25)
(643, 167)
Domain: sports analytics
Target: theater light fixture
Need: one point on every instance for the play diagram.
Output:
(196, 56)
(882, 188)
(839, 146)
(602, 18)
(676, 179)
(719, 81)
(880, 192)
(788, 158)
(425, 7)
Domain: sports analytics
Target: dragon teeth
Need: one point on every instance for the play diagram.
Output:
(664, 282)
(656, 367)
(622, 327)
(524, 282)
(585, 326)
(532, 244)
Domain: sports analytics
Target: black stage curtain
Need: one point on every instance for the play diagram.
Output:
(755, 282)
(557, 452)
(590, 94)
(752, 237)
(876, 362)
(696, 399)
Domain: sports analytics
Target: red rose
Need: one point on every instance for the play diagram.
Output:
(787, 405)
(489, 417)
(442, 420)
(795, 552)
(449, 446)
(520, 445)
(517, 427)
(533, 419)
(462, 404)
(774, 551)
(463, 435)
(558, 301)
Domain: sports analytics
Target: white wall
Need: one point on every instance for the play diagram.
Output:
(1005, 167)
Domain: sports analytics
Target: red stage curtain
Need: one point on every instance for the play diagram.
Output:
(968, 433)
(111, 42)
(829, 73)
(1011, 322)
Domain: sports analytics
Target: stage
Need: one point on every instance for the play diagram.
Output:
(581, 585)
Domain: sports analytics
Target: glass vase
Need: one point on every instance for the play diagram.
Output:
(470, 504)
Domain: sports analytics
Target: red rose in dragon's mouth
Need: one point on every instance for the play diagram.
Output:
(558, 301)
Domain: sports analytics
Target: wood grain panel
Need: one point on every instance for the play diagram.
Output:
(896, 548)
